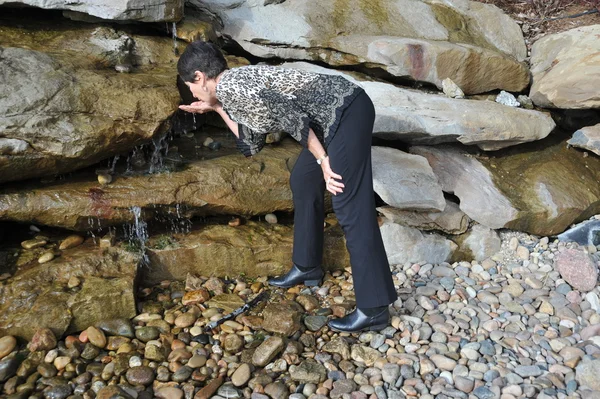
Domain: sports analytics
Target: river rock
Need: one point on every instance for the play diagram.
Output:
(587, 138)
(241, 375)
(7, 344)
(565, 69)
(255, 249)
(117, 327)
(43, 340)
(420, 40)
(159, 11)
(406, 244)
(405, 181)
(35, 295)
(540, 195)
(71, 242)
(587, 372)
(308, 372)
(267, 351)
(577, 268)
(282, 318)
(140, 375)
(416, 117)
(93, 103)
(451, 220)
(584, 233)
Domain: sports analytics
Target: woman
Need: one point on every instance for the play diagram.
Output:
(333, 120)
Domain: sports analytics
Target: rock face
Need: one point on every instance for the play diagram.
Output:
(587, 138)
(474, 44)
(406, 244)
(225, 185)
(37, 294)
(79, 109)
(405, 181)
(255, 249)
(133, 10)
(566, 69)
(451, 220)
(541, 195)
(421, 118)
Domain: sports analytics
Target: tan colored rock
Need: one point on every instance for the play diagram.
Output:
(267, 351)
(474, 44)
(196, 25)
(225, 185)
(423, 118)
(7, 344)
(36, 294)
(540, 195)
(587, 138)
(451, 220)
(255, 249)
(35, 243)
(46, 257)
(566, 70)
(102, 113)
(71, 242)
(198, 296)
(96, 337)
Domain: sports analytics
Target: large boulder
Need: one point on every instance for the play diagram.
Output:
(253, 249)
(405, 181)
(64, 104)
(421, 118)
(587, 138)
(37, 295)
(566, 69)
(225, 185)
(539, 190)
(128, 10)
(474, 44)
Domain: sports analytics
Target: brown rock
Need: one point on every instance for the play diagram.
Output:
(577, 268)
(7, 344)
(71, 242)
(209, 389)
(267, 351)
(198, 296)
(96, 337)
(43, 340)
(282, 318)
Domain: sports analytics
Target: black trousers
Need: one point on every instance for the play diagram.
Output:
(350, 156)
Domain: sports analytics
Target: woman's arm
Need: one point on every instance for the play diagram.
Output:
(233, 126)
(316, 148)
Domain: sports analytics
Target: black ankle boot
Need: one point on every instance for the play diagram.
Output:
(358, 321)
(296, 276)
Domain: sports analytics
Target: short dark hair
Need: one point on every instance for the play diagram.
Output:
(201, 56)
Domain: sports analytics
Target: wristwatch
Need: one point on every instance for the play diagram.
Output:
(320, 160)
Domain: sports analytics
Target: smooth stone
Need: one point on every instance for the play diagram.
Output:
(315, 323)
(7, 345)
(241, 375)
(141, 375)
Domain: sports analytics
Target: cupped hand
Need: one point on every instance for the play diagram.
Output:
(197, 107)
(331, 178)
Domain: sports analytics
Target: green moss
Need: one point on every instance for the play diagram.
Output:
(164, 241)
(459, 30)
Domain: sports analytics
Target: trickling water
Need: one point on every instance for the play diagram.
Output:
(161, 147)
(113, 164)
(174, 31)
(137, 233)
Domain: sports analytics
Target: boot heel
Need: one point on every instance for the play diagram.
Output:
(312, 283)
(378, 327)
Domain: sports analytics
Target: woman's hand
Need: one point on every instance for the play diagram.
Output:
(332, 185)
(197, 107)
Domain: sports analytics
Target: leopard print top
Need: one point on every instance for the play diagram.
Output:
(263, 99)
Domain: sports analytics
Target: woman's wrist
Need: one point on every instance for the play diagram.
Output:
(322, 158)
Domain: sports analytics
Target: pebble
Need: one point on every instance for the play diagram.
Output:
(71, 241)
(271, 218)
(7, 345)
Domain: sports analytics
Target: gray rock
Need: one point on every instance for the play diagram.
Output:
(587, 373)
(315, 323)
(451, 220)
(405, 181)
(528, 371)
(585, 233)
(508, 99)
(159, 11)
(117, 327)
(587, 138)
(390, 373)
(483, 393)
(309, 371)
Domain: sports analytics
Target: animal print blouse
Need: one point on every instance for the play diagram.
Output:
(264, 99)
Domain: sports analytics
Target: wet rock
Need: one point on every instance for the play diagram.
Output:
(140, 375)
(117, 327)
(241, 375)
(315, 323)
(200, 295)
(112, 392)
(7, 345)
(96, 337)
(587, 138)
(43, 340)
(71, 242)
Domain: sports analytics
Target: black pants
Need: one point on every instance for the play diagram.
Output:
(350, 156)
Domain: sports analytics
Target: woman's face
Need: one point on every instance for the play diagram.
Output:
(203, 89)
